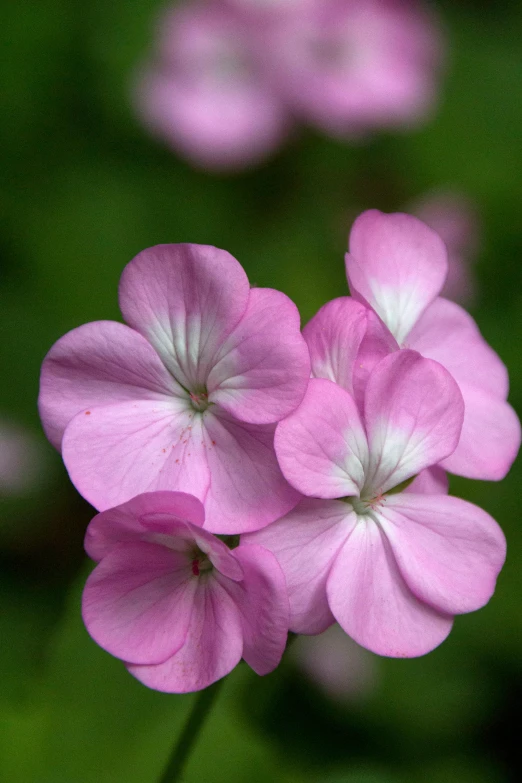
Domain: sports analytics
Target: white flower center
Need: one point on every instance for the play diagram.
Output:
(199, 400)
(366, 506)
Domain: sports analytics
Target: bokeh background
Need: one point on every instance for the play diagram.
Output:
(83, 188)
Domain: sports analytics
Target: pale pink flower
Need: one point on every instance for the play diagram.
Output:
(184, 398)
(174, 602)
(205, 92)
(391, 566)
(350, 66)
(454, 219)
(341, 668)
(397, 266)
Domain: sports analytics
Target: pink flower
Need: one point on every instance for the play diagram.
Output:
(336, 664)
(21, 462)
(397, 266)
(391, 566)
(174, 602)
(454, 219)
(205, 94)
(187, 396)
(350, 66)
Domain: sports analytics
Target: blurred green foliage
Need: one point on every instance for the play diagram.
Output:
(82, 190)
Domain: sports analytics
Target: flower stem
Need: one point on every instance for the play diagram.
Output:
(190, 733)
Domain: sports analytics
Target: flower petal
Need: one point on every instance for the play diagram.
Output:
(120, 451)
(99, 363)
(334, 336)
(247, 489)
(346, 340)
(213, 645)
(377, 343)
(172, 519)
(223, 560)
(447, 333)
(305, 543)
(490, 437)
(185, 299)
(262, 369)
(137, 602)
(397, 265)
(134, 519)
(431, 481)
(449, 551)
(371, 601)
(413, 413)
(262, 601)
(322, 447)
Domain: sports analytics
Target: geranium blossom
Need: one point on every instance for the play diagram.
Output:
(397, 266)
(174, 602)
(205, 92)
(391, 566)
(350, 66)
(186, 396)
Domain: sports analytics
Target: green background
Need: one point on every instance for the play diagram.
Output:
(82, 190)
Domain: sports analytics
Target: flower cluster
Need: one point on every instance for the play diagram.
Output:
(253, 479)
(229, 79)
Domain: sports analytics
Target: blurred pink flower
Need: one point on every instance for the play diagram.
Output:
(227, 79)
(341, 668)
(204, 92)
(174, 602)
(455, 220)
(21, 461)
(350, 66)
